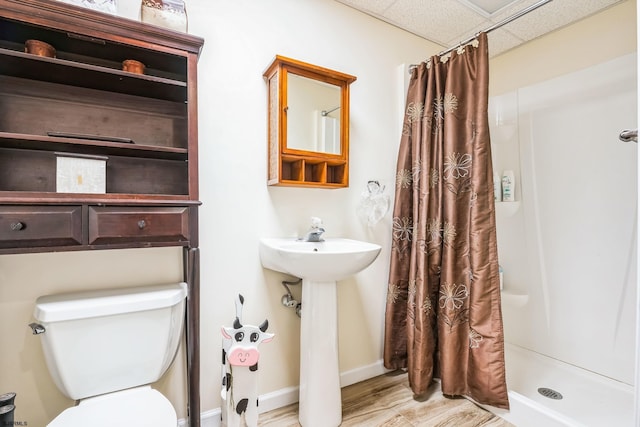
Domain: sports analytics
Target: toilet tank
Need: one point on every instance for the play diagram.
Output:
(102, 341)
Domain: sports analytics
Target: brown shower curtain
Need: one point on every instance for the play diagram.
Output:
(443, 314)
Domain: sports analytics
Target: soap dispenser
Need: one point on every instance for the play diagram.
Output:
(508, 186)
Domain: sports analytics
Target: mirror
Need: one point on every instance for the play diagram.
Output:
(313, 115)
(308, 124)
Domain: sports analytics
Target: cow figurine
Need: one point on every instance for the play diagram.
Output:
(240, 370)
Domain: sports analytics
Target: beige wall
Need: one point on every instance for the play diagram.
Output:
(242, 38)
(607, 35)
(23, 278)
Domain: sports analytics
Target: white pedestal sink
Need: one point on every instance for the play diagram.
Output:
(320, 265)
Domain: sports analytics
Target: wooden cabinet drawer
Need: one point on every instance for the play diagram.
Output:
(113, 225)
(31, 226)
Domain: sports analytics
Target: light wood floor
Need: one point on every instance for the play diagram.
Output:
(388, 401)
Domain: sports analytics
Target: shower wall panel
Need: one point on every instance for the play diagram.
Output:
(569, 252)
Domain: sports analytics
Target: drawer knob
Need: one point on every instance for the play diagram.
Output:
(17, 226)
(142, 224)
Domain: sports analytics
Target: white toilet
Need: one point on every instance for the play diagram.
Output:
(104, 348)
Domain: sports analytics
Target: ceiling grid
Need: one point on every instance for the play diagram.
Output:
(448, 22)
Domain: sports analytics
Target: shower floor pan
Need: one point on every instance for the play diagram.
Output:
(588, 399)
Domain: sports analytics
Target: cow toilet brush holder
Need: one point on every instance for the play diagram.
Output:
(240, 357)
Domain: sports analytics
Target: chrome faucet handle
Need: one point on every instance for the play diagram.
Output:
(315, 232)
(316, 222)
(315, 235)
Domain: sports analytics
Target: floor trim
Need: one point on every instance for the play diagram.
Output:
(287, 396)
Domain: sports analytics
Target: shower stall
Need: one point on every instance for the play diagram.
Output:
(568, 246)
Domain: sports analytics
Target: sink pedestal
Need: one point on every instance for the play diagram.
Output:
(320, 265)
(320, 396)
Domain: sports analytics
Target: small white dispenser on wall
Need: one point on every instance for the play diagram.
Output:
(508, 186)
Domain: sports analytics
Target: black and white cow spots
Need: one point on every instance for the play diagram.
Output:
(240, 357)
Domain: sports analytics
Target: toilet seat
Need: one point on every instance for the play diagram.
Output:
(140, 407)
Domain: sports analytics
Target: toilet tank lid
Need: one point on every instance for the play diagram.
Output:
(107, 302)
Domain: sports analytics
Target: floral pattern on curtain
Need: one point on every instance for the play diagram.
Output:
(443, 316)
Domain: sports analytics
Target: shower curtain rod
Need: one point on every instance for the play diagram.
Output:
(326, 113)
(493, 27)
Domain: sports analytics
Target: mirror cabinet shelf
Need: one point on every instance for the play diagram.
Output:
(313, 172)
(308, 124)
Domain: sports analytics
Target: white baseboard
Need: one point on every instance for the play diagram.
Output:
(362, 373)
(278, 399)
(287, 396)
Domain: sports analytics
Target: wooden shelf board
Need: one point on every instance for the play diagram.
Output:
(88, 146)
(39, 198)
(56, 70)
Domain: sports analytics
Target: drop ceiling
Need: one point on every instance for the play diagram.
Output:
(448, 22)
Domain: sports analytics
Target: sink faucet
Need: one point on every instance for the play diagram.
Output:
(315, 232)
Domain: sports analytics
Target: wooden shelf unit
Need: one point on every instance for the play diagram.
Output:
(80, 102)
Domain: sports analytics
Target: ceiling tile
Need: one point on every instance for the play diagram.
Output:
(448, 22)
(376, 7)
(501, 41)
(487, 7)
(518, 6)
(433, 19)
(467, 34)
(549, 17)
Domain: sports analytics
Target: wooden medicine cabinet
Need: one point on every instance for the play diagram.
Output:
(308, 124)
